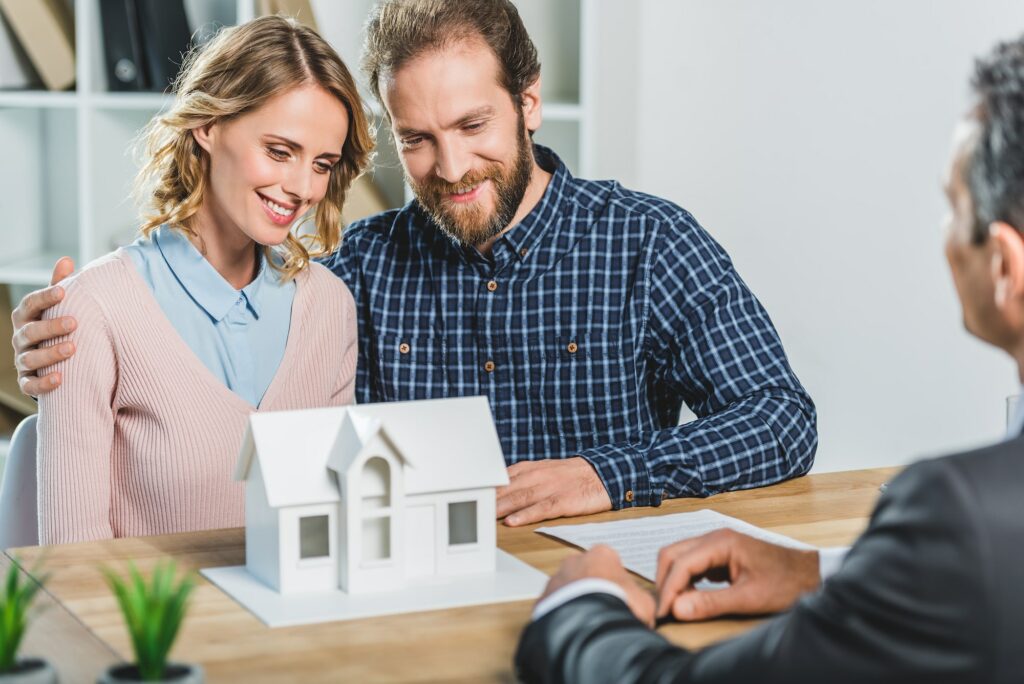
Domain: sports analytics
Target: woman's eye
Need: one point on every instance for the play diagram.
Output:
(276, 153)
(322, 167)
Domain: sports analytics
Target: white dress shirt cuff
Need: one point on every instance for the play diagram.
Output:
(830, 559)
(589, 585)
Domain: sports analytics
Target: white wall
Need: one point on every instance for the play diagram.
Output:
(809, 137)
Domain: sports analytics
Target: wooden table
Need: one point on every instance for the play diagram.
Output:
(81, 631)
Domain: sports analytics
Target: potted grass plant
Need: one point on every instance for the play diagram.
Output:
(16, 598)
(153, 612)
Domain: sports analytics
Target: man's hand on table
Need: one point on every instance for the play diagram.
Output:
(601, 562)
(764, 578)
(30, 331)
(542, 490)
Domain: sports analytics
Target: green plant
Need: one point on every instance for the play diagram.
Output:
(153, 613)
(15, 600)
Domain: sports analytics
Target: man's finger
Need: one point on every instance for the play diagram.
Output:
(517, 469)
(31, 361)
(530, 467)
(704, 605)
(514, 499)
(33, 304)
(713, 551)
(641, 603)
(33, 334)
(64, 267)
(669, 553)
(34, 386)
(544, 509)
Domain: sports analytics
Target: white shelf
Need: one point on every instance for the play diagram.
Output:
(37, 99)
(131, 101)
(31, 270)
(68, 160)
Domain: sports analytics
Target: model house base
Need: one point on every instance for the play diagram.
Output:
(511, 580)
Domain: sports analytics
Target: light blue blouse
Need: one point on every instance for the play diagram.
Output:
(239, 335)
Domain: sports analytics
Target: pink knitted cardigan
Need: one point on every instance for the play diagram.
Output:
(140, 438)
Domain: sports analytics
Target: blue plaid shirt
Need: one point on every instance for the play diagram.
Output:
(588, 327)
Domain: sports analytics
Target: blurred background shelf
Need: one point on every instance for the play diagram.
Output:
(33, 269)
(68, 169)
(37, 99)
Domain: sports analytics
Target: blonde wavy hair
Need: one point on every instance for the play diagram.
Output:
(237, 72)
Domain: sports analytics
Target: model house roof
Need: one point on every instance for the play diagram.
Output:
(445, 444)
(292, 448)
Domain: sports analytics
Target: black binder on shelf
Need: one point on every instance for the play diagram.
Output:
(122, 46)
(166, 39)
(144, 42)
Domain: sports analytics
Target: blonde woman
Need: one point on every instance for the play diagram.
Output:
(216, 311)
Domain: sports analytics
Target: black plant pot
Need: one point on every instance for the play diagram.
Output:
(30, 671)
(175, 673)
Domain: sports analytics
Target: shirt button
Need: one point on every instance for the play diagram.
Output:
(489, 366)
(572, 348)
(492, 286)
(403, 348)
(523, 252)
(664, 495)
(629, 496)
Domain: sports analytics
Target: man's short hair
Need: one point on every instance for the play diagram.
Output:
(399, 30)
(995, 173)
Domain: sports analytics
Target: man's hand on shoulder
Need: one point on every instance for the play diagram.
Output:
(601, 562)
(30, 331)
(555, 488)
(764, 578)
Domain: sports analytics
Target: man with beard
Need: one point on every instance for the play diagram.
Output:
(931, 592)
(585, 312)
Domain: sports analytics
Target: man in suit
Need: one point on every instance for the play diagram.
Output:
(934, 589)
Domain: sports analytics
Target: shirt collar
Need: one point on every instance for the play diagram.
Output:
(524, 236)
(200, 279)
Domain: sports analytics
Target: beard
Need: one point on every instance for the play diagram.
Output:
(473, 224)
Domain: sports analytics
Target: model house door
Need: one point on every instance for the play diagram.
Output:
(420, 538)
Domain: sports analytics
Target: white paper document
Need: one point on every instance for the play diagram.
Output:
(638, 540)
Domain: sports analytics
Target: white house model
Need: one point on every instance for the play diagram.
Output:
(367, 498)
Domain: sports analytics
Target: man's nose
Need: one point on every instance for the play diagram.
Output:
(452, 163)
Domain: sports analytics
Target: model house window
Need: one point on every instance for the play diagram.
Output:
(376, 484)
(314, 537)
(462, 522)
(376, 510)
(377, 538)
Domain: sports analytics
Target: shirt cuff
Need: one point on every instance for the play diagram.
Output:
(561, 596)
(624, 473)
(830, 559)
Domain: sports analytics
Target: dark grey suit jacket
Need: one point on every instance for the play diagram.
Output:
(933, 592)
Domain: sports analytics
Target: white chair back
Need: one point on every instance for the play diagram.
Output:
(18, 514)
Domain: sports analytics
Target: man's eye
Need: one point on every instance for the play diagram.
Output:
(412, 142)
(473, 127)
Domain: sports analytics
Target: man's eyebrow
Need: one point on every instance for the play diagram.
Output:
(298, 148)
(478, 113)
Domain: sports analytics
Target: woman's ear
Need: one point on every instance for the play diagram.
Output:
(204, 136)
(1007, 265)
